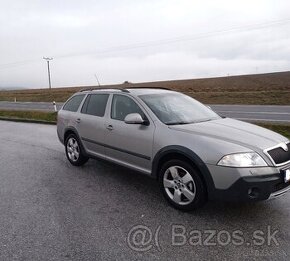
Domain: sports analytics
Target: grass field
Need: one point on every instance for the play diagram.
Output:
(273, 88)
(282, 129)
(29, 115)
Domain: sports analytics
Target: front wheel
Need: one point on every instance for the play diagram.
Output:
(74, 152)
(182, 186)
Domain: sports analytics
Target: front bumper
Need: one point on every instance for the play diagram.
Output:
(253, 188)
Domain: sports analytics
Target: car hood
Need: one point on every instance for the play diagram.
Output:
(234, 131)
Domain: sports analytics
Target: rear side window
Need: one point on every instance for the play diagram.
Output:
(95, 104)
(74, 103)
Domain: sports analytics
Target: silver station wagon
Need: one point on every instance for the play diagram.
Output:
(193, 153)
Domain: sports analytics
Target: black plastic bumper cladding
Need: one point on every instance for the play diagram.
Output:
(263, 185)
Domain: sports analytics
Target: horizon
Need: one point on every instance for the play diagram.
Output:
(136, 83)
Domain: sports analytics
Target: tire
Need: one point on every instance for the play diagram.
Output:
(182, 186)
(74, 151)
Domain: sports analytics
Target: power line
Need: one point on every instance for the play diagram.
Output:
(20, 63)
(183, 38)
(179, 39)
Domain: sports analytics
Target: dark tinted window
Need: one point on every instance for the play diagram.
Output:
(74, 103)
(122, 106)
(95, 104)
(85, 105)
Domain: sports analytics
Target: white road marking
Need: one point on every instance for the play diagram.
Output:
(252, 119)
(247, 105)
(255, 112)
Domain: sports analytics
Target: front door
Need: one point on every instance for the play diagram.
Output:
(128, 144)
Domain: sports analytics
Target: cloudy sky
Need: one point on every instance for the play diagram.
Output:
(140, 40)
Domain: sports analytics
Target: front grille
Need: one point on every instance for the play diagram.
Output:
(279, 155)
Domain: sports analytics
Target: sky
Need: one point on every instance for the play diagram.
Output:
(141, 40)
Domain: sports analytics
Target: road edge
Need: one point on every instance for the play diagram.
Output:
(28, 120)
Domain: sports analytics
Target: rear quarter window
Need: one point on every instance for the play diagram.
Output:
(74, 103)
(95, 104)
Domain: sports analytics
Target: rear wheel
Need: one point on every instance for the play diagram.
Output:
(181, 185)
(74, 152)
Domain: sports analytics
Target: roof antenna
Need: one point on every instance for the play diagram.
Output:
(97, 79)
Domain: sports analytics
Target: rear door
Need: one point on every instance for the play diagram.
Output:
(91, 126)
(128, 144)
(68, 115)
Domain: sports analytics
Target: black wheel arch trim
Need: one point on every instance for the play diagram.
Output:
(73, 129)
(196, 160)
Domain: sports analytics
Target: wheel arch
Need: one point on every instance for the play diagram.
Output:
(72, 130)
(68, 131)
(183, 153)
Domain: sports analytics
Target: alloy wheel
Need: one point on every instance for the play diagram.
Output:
(73, 149)
(179, 185)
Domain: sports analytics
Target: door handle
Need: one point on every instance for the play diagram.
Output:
(78, 120)
(110, 127)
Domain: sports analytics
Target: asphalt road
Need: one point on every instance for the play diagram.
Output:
(40, 106)
(243, 112)
(51, 210)
(271, 113)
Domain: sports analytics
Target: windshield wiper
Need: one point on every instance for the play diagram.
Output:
(211, 119)
(177, 123)
(203, 120)
(186, 122)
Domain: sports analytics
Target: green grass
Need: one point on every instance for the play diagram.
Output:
(282, 129)
(29, 115)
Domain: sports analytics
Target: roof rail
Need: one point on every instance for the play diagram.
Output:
(144, 87)
(122, 89)
(97, 88)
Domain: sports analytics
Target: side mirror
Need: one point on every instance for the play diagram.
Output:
(134, 118)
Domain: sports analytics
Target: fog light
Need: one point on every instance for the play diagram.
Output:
(253, 193)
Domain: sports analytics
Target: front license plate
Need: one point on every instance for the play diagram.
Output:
(287, 175)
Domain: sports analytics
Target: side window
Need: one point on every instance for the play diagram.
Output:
(73, 103)
(122, 106)
(95, 104)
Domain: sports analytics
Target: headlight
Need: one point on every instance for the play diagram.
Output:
(243, 160)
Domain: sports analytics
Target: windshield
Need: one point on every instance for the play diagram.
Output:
(177, 108)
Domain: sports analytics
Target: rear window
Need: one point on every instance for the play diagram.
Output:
(95, 104)
(74, 103)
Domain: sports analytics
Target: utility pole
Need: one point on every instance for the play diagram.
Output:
(48, 59)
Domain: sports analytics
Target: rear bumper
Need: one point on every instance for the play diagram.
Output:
(253, 188)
